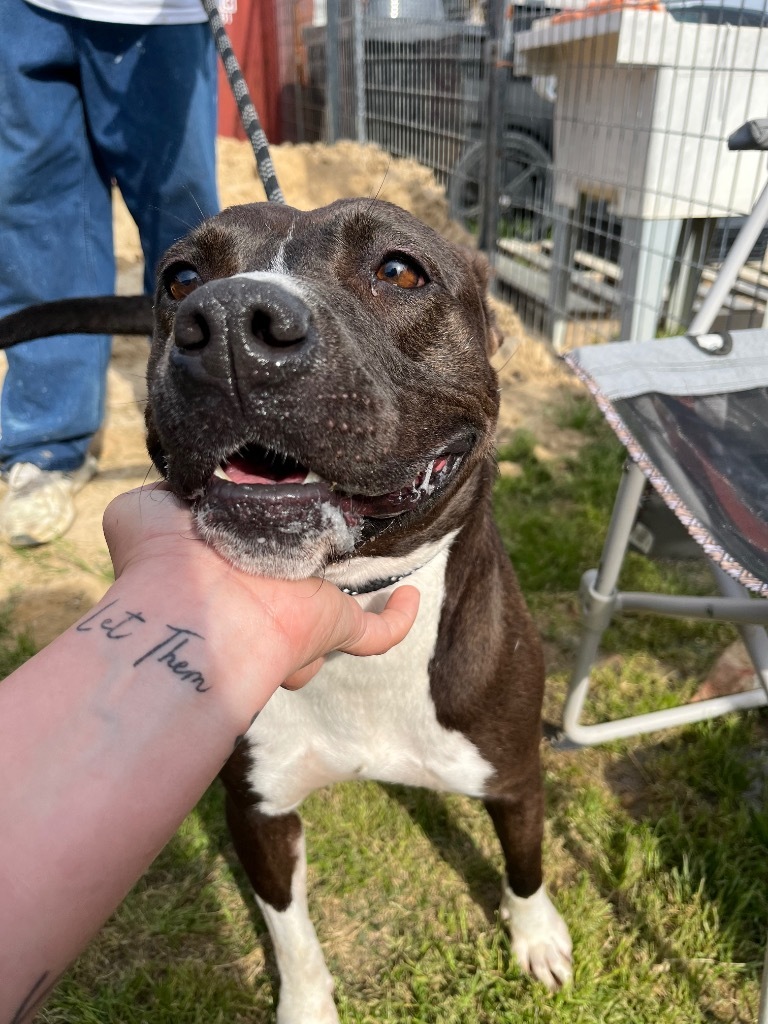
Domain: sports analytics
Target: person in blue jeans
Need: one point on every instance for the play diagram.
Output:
(94, 92)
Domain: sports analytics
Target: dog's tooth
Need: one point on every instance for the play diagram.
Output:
(424, 485)
(219, 472)
(312, 478)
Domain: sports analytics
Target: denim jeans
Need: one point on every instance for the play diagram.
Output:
(84, 103)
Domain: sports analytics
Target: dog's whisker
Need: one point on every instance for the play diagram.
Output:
(168, 213)
(506, 363)
(384, 178)
(193, 197)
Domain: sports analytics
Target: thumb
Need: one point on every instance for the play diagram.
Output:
(376, 632)
(358, 632)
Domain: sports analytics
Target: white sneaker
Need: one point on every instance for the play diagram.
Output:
(38, 506)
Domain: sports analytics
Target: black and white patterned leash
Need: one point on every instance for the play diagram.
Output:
(248, 115)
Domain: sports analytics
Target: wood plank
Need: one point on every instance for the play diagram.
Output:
(535, 283)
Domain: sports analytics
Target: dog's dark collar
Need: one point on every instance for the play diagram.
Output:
(374, 585)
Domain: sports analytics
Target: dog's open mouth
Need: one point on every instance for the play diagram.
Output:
(256, 474)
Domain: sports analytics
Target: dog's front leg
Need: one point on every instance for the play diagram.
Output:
(540, 938)
(271, 849)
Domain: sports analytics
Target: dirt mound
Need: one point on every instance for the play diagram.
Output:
(312, 174)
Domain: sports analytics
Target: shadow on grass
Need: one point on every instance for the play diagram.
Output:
(212, 817)
(454, 843)
(678, 850)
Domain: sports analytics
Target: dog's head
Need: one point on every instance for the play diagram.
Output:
(319, 383)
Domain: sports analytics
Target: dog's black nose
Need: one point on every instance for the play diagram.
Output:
(257, 317)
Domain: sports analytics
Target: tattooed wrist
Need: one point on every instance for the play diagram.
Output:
(167, 645)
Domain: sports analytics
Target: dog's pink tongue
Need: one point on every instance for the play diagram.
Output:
(244, 471)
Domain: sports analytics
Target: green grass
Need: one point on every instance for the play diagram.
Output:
(15, 648)
(655, 848)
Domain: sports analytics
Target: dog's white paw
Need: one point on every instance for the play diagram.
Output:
(312, 1013)
(308, 1002)
(540, 938)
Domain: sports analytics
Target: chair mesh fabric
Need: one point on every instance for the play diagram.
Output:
(706, 452)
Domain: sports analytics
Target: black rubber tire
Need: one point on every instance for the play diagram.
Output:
(525, 187)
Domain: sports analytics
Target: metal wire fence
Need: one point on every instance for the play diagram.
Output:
(584, 145)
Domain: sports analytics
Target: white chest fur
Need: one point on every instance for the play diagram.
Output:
(367, 718)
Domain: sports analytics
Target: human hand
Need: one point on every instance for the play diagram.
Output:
(289, 624)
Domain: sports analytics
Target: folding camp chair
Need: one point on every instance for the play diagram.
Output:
(692, 413)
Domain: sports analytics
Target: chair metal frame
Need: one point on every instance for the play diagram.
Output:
(600, 600)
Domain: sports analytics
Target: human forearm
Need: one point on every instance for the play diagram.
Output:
(109, 736)
(125, 738)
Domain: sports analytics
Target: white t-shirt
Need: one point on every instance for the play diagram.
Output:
(128, 12)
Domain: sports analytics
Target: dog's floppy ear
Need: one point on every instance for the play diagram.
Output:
(481, 269)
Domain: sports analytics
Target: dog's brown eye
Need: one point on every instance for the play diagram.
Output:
(401, 272)
(183, 282)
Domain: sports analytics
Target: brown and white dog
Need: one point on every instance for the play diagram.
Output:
(320, 391)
